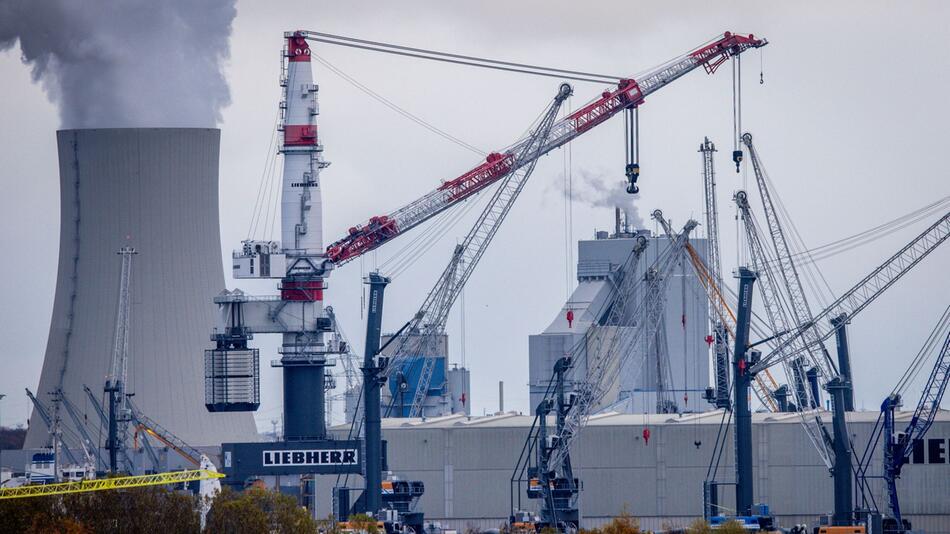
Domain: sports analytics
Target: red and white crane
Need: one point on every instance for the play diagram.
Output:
(629, 94)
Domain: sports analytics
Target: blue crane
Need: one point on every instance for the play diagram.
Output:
(898, 446)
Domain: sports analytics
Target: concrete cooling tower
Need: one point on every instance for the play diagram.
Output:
(156, 190)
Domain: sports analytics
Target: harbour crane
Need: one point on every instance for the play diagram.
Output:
(806, 336)
(44, 414)
(119, 413)
(554, 484)
(856, 299)
(604, 350)
(799, 308)
(89, 446)
(898, 446)
(104, 422)
(629, 94)
(779, 318)
(509, 166)
(428, 324)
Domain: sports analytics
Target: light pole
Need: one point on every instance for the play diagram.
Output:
(1, 429)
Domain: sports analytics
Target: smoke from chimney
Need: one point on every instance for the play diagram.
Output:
(135, 63)
(598, 191)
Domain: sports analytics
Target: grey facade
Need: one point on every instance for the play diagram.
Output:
(155, 189)
(686, 320)
(466, 464)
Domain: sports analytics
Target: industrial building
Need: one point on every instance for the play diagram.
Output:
(466, 464)
(154, 189)
(686, 326)
(448, 392)
(617, 378)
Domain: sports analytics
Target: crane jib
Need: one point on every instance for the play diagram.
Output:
(629, 93)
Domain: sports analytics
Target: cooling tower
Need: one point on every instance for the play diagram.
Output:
(154, 189)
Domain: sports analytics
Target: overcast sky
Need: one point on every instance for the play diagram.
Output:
(852, 122)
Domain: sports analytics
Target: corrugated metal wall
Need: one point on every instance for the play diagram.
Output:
(467, 464)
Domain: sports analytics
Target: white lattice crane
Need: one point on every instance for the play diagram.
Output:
(119, 413)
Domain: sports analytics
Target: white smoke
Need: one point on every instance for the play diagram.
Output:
(595, 189)
(125, 63)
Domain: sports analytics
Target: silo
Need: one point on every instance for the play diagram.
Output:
(155, 189)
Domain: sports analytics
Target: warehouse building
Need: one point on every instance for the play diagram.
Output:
(466, 464)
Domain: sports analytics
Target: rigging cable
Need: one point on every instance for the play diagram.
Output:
(391, 105)
(471, 61)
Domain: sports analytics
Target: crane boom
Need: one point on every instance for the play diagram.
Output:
(153, 429)
(725, 320)
(160, 479)
(779, 321)
(89, 446)
(798, 302)
(429, 322)
(48, 421)
(864, 292)
(630, 93)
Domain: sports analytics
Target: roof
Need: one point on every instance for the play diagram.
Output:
(517, 420)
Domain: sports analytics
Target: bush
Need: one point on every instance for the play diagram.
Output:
(363, 523)
(136, 510)
(699, 526)
(258, 510)
(622, 524)
(731, 527)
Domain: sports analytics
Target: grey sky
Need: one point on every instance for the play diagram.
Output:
(851, 122)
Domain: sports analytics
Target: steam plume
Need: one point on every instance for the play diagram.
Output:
(599, 191)
(129, 63)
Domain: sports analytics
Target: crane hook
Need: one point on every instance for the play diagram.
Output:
(633, 173)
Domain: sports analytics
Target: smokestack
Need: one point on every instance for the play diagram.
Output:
(617, 227)
(501, 396)
(155, 189)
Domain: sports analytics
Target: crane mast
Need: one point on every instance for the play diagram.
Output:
(429, 322)
(629, 93)
(119, 413)
(716, 311)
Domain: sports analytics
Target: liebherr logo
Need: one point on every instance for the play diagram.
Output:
(311, 457)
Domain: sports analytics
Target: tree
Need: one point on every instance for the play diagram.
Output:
(256, 511)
